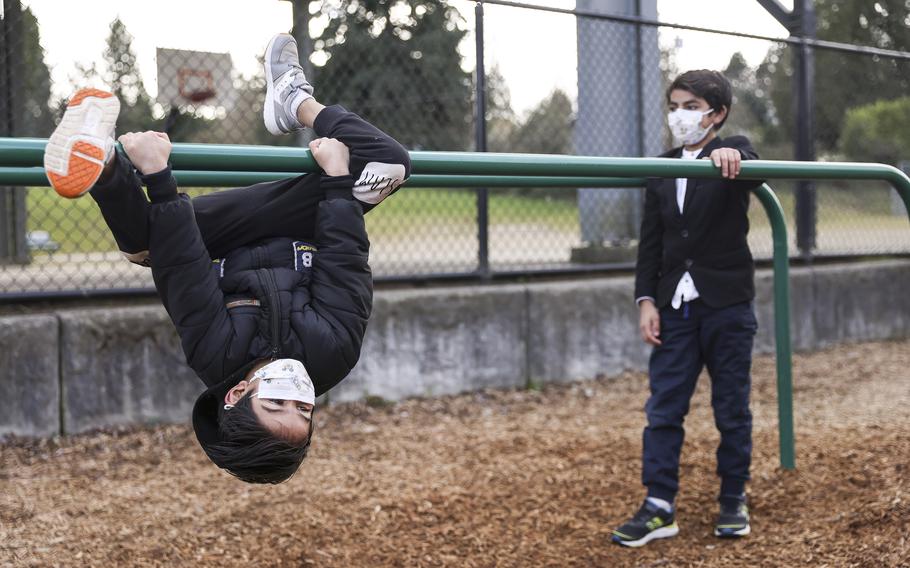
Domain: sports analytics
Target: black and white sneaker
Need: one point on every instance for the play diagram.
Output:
(286, 85)
(649, 523)
(733, 521)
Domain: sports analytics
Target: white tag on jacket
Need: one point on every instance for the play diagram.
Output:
(378, 181)
(285, 379)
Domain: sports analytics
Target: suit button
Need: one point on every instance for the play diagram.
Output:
(684, 233)
(688, 263)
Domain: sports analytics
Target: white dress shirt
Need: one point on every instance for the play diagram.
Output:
(685, 290)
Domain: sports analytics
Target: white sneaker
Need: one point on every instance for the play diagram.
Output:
(82, 143)
(286, 85)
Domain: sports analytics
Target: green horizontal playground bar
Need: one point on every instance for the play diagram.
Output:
(35, 176)
(28, 152)
(222, 165)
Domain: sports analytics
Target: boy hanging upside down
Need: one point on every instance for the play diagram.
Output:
(269, 286)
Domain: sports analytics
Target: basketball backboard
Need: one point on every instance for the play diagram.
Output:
(195, 78)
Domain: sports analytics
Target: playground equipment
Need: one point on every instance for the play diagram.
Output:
(207, 165)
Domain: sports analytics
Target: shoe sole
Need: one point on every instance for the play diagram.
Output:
(268, 109)
(733, 533)
(76, 152)
(663, 532)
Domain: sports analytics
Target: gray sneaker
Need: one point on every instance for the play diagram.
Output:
(286, 85)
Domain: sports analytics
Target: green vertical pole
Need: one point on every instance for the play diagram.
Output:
(781, 326)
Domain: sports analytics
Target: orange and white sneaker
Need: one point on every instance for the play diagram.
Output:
(82, 143)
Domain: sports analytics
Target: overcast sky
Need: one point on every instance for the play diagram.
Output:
(535, 51)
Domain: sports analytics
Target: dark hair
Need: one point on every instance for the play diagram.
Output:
(709, 85)
(247, 450)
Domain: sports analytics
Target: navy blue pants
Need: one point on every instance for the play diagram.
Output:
(694, 337)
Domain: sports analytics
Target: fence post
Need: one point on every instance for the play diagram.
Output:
(13, 214)
(301, 32)
(804, 94)
(480, 142)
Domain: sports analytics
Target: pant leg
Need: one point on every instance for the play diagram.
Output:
(673, 372)
(726, 339)
(287, 208)
(125, 208)
(237, 217)
(379, 164)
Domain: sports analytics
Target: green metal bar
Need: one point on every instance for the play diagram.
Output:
(242, 165)
(198, 178)
(782, 342)
(29, 152)
(429, 180)
(25, 152)
(36, 177)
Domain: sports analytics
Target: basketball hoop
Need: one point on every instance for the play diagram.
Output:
(195, 85)
(195, 79)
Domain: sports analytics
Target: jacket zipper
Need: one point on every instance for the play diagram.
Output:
(272, 288)
(274, 313)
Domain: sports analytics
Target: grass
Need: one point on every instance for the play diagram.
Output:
(78, 227)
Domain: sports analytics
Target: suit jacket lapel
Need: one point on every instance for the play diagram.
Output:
(690, 193)
(691, 183)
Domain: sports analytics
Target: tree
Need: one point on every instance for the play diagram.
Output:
(843, 81)
(396, 63)
(878, 132)
(38, 120)
(750, 112)
(122, 74)
(245, 118)
(501, 121)
(547, 128)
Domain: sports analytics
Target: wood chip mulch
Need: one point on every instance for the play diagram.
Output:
(494, 478)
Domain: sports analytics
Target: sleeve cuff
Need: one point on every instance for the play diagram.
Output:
(337, 187)
(161, 185)
(640, 299)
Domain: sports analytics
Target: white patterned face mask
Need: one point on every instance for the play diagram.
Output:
(685, 125)
(285, 379)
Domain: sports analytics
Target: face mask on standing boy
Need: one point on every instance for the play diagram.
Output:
(685, 125)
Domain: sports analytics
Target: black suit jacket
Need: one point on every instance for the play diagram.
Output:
(708, 238)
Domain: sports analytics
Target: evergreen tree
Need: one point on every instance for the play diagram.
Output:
(750, 114)
(396, 63)
(37, 119)
(548, 127)
(122, 75)
(501, 120)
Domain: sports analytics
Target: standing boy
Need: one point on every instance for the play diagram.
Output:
(694, 285)
(269, 286)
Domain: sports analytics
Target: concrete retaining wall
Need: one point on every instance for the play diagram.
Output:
(73, 371)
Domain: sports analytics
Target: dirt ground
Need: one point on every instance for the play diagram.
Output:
(485, 479)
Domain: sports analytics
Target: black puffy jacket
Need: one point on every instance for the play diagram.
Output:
(262, 300)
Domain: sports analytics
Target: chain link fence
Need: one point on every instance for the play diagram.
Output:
(555, 83)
